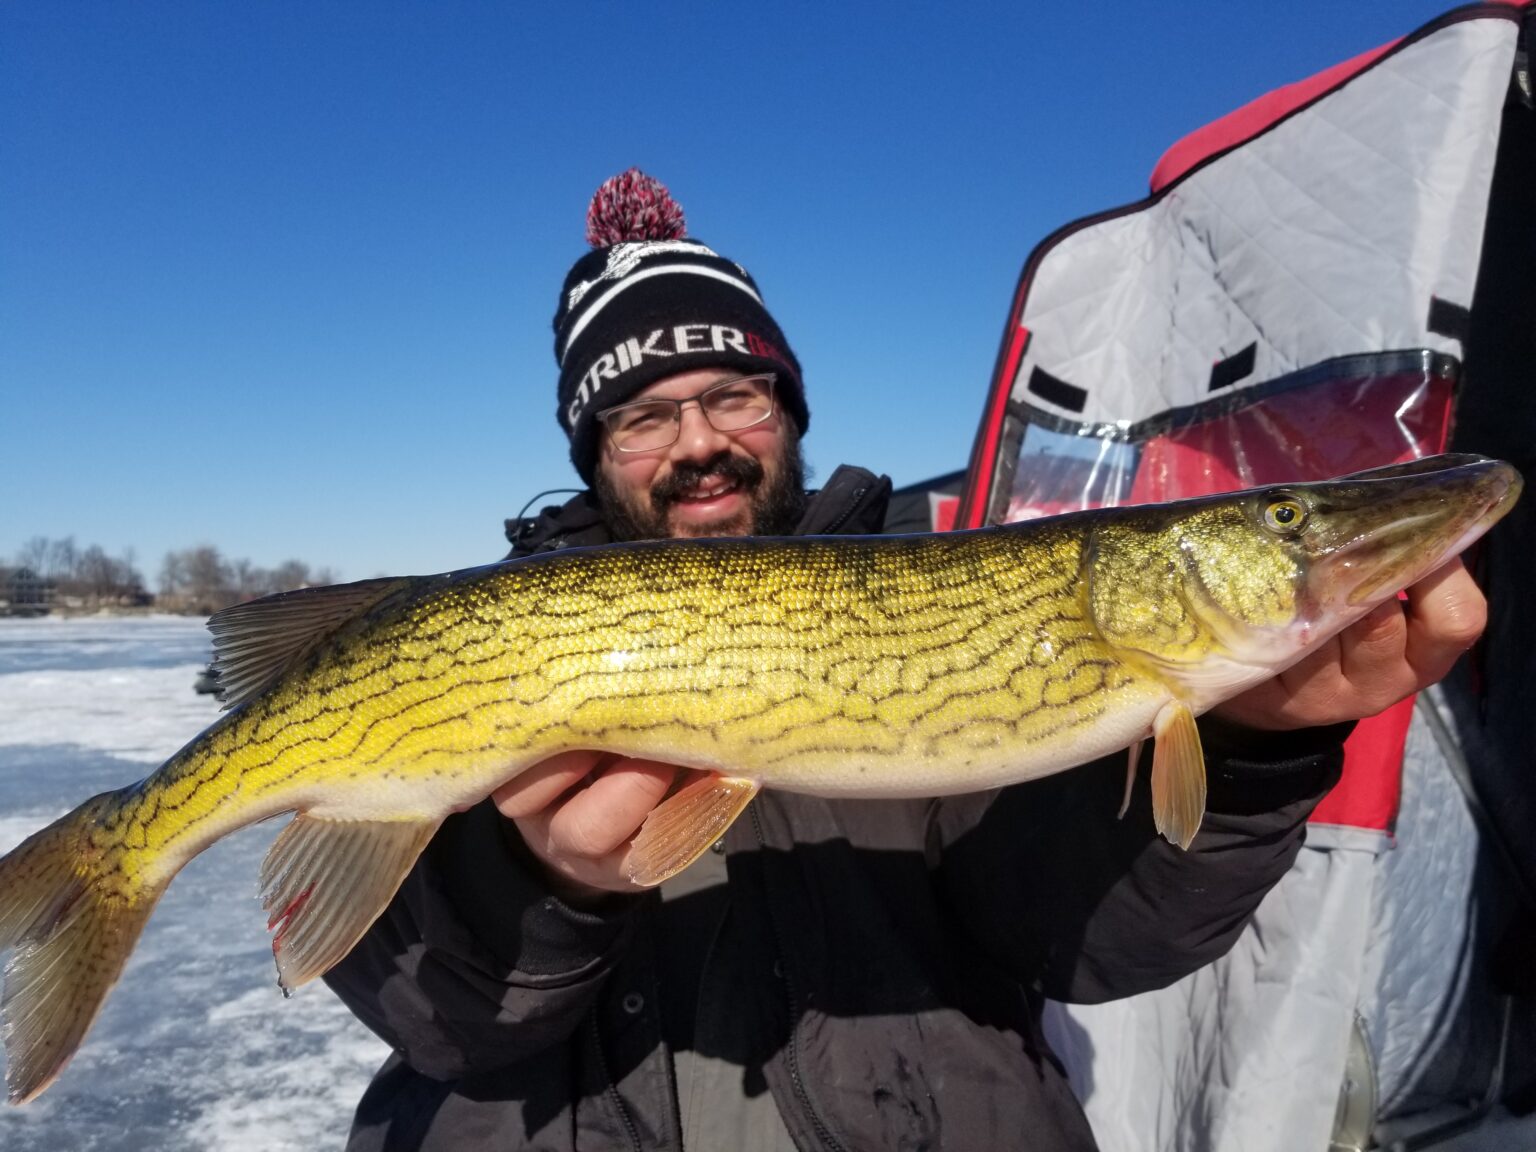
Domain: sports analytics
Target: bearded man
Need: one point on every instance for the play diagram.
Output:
(835, 974)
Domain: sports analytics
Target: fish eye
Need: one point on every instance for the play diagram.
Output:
(1285, 514)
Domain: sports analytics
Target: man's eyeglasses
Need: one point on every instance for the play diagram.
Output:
(729, 406)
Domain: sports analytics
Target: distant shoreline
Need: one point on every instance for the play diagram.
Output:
(63, 613)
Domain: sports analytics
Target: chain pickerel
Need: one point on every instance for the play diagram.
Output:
(841, 666)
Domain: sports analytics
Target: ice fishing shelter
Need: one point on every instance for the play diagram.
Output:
(926, 506)
(1334, 277)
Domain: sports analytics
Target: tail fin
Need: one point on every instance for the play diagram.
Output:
(73, 916)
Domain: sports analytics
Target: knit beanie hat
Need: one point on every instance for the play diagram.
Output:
(647, 303)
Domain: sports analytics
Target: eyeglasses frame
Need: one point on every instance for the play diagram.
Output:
(677, 424)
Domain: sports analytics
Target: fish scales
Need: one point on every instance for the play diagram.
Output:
(870, 666)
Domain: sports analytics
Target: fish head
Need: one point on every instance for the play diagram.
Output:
(1221, 592)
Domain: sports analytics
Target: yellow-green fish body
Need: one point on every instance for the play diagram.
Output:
(840, 666)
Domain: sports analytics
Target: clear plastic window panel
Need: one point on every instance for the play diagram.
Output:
(1068, 472)
(1333, 424)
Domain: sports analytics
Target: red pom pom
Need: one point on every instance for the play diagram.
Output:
(633, 206)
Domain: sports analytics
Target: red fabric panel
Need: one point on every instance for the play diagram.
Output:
(945, 508)
(1306, 434)
(1367, 795)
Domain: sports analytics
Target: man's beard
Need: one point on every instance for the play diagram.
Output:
(774, 505)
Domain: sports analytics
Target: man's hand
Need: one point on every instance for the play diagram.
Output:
(1395, 651)
(577, 812)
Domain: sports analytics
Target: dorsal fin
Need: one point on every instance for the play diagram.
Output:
(254, 642)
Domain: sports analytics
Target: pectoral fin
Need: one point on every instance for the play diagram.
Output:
(683, 826)
(325, 881)
(1178, 774)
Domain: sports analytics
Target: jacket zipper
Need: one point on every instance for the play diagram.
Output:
(847, 513)
(613, 1089)
(802, 1095)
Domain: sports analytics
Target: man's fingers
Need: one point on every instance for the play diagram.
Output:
(1446, 614)
(1314, 674)
(535, 789)
(606, 813)
(1373, 672)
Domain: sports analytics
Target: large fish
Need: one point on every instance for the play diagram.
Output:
(841, 666)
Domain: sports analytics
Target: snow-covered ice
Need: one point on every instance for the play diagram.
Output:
(196, 1048)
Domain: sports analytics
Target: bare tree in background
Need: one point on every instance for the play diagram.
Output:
(290, 574)
(201, 580)
(78, 578)
(62, 557)
(95, 574)
(209, 583)
(173, 575)
(196, 579)
(246, 579)
(34, 555)
(99, 579)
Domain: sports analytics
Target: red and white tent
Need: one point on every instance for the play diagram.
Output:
(1334, 277)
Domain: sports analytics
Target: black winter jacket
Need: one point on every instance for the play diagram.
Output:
(897, 953)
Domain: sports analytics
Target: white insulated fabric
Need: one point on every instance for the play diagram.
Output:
(1431, 1024)
(1326, 235)
(1246, 1055)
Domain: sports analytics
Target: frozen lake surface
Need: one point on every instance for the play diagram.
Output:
(196, 1048)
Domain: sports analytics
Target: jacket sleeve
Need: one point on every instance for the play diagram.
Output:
(475, 964)
(1090, 908)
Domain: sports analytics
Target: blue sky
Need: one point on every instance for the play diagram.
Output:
(279, 276)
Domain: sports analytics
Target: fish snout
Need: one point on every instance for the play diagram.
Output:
(1375, 533)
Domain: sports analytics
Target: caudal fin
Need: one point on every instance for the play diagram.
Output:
(72, 917)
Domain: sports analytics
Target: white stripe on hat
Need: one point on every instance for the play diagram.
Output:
(634, 278)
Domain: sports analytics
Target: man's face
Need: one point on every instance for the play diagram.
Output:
(707, 483)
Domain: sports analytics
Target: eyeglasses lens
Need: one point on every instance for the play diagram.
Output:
(729, 406)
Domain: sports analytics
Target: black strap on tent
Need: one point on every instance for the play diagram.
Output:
(1238, 366)
(1057, 392)
(1448, 319)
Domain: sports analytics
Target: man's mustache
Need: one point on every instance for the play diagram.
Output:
(746, 471)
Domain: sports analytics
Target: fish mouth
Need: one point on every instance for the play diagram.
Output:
(1379, 531)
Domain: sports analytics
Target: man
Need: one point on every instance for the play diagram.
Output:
(836, 974)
